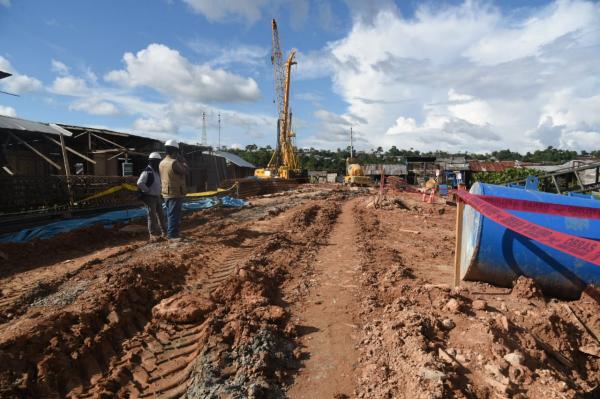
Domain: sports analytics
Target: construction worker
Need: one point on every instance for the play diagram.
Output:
(173, 170)
(150, 187)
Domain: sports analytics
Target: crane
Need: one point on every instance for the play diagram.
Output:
(284, 161)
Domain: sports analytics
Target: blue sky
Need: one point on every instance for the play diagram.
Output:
(453, 75)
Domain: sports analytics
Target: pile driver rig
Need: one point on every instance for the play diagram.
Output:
(284, 162)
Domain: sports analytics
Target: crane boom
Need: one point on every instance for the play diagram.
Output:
(284, 161)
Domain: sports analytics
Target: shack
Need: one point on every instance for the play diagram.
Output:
(453, 170)
(374, 170)
(317, 176)
(420, 169)
(237, 167)
(53, 168)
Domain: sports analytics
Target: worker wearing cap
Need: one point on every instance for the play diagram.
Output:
(173, 170)
(150, 186)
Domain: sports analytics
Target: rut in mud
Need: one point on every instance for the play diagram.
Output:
(197, 318)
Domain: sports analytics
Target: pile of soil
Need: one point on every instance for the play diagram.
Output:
(422, 339)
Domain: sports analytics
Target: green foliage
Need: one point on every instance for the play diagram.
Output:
(335, 161)
(511, 174)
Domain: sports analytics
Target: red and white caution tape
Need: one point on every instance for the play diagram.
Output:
(581, 248)
(542, 207)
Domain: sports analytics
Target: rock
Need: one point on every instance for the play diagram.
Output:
(274, 313)
(183, 308)
(514, 358)
(592, 350)
(448, 324)
(494, 370)
(453, 305)
(461, 358)
(445, 356)
(503, 307)
(479, 304)
(432, 375)
(113, 318)
(503, 322)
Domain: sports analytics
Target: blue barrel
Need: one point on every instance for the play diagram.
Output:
(496, 255)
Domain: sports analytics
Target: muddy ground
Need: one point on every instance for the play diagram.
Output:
(316, 293)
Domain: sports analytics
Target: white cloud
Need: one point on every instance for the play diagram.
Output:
(220, 54)
(5, 3)
(20, 84)
(168, 72)
(249, 11)
(17, 83)
(331, 118)
(153, 125)
(7, 111)
(69, 85)
(95, 107)
(470, 77)
(508, 43)
(59, 67)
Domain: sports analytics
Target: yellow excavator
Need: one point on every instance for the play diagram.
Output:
(355, 175)
(284, 162)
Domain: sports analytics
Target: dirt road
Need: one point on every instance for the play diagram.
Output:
(328, 318)
(306, 294)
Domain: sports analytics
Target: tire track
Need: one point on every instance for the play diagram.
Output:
(157, 361)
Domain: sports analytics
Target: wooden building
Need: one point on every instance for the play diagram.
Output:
(237, 167)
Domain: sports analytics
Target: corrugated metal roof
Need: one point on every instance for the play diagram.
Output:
(388, 169)
(491, 166)
(234, 159)
(23, 125)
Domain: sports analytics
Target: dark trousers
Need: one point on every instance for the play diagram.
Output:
(173, 216)
(156, 216)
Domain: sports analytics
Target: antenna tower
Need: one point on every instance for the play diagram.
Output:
(204, 136)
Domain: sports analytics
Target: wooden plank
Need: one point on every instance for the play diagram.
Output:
(582, 324)
(115, 156)
(579, 180)
(555, 184)
(458, 243)
(71, 150)
(63, 148)
(26, 144)
(108, 141)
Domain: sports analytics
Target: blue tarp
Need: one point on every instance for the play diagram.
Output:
(109, 218)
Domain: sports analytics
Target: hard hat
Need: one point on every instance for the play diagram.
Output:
(171, 143)
(155, 155)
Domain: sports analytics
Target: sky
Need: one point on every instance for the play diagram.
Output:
(457, 76)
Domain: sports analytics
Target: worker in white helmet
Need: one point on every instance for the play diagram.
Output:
(149, 186)
(173, 171)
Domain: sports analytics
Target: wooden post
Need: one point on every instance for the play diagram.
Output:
(67, 169)
(460, 206)
(556, 184)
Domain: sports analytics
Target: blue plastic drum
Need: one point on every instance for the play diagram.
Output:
(496, 255)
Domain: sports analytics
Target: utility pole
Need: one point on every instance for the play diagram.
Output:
(351, 143)
(219, 145)
(204, 137)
